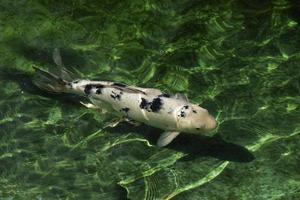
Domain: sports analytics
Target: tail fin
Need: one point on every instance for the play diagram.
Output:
(49, 81)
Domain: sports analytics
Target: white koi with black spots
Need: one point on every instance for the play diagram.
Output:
(174, 114)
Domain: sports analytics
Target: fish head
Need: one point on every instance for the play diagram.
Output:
(195, 119)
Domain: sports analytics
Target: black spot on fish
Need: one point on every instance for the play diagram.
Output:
(119, 84)
(99, 89)
(153, 106)
(143, 104)
(70, 85)
(87, 89)
(112, 96)
(186, 107)
(194, 111)
(77, 81)
(164, 95)
(156, 104)
(197, 128)
(115, 96)
(125, 109)
(182, 114)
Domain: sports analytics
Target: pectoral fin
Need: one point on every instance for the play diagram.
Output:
(132, 122)
(113, 123)
(166, 138)
(105, 108)
(88, 105)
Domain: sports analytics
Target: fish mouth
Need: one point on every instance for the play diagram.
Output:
(211, 124)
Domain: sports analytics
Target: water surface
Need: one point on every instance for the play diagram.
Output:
(238, 59)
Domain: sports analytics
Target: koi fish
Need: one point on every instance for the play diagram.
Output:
(171, 113)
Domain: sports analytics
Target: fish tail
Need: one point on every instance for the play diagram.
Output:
(51, 82)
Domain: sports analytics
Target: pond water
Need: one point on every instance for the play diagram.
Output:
(239, 59)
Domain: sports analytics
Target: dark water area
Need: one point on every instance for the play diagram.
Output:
(239, 59)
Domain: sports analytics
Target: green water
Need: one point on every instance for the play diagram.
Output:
(239, 59)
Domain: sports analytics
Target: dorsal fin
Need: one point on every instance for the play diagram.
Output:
(133, 90)
(126, 88)
(181, 96)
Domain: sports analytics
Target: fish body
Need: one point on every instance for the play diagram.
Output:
(174, 114)
(148, 105)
